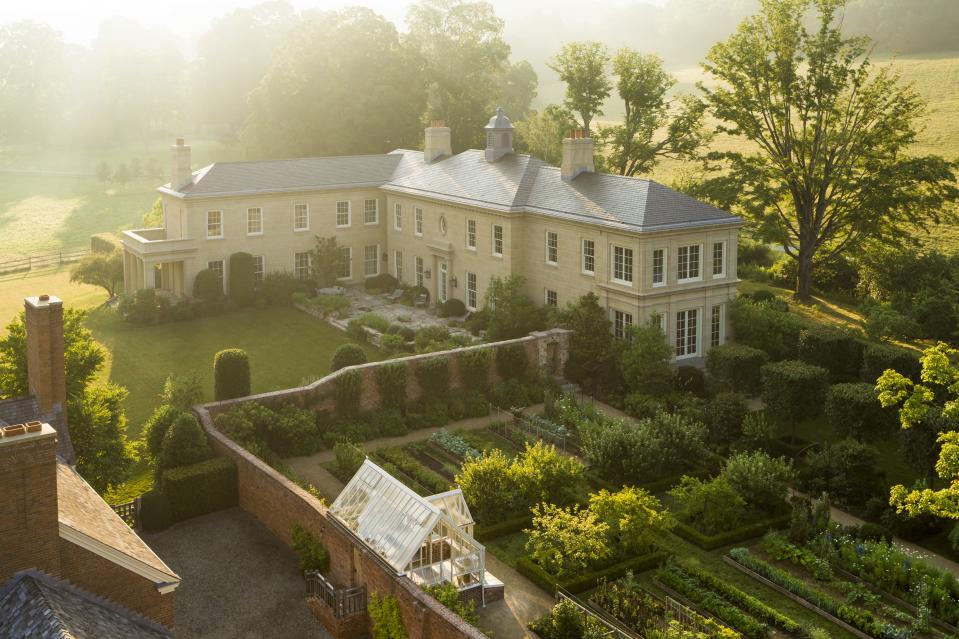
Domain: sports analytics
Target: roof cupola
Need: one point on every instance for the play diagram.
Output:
(499, 136)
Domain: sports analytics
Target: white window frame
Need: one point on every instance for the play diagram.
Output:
(398, 265)
(296, 266)
(259, 221)
(500, 241)
(662, 267)
(366, 211)
(418, 270)
(219, 224)
(349, 214)
(397, 216)
(614, 265)
(590, 256)
(684, 336)
(662, 323)
(699, 263)
(259, 268)
(717, 329)
(306, 208)
(471, 291)
(348, 262)
(376, 260)
(220, 271)
(418, 221)
(552, 248)
(722, 259)
(621, 321)
(547, 293)
(470, 235)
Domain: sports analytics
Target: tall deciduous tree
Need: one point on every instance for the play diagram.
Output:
(100, 269)
(98, 434)
(831, 132)
(518, 90)
(542, 132)
(583, 67)
(654, 125)
(32, 75)
(592, 355)
(465, 58)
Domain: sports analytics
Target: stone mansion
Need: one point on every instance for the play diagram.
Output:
(450, 223)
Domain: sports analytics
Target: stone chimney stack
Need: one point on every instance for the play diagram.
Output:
(28, 509)
(438, 144)
(577, 155)
(182, 174)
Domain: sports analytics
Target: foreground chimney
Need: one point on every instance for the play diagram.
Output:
(28, 507)
(46, 370)
(438, 143)
(181, 175)
(577, 155)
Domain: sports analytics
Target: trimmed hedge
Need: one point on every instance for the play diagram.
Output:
(737, 366)
(587, 580)
(511, 361)
(854, 411)
(876, 358)
(201, 488)
(503, 528)
(771, 330)
(433, 375)
(347, 389)
(207, 285)
(736, 535)
(231, 374)
(453, 308)
(794, 391)
(347, 355)
(839, 352)
(154, 511)
(242, 282)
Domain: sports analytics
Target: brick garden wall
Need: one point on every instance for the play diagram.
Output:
(278, 503)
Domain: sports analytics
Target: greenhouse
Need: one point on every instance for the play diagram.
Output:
(429, 539)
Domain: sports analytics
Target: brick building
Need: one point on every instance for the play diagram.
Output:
(69, 565)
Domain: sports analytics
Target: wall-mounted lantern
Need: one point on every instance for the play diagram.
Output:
(428, 273)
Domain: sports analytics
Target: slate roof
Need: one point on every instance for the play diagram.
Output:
(514, 184)
(26, 409)
(82, 509)
(34, 605)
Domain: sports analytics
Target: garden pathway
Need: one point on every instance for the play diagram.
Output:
(523, 602)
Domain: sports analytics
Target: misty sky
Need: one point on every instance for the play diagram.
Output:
(78, 19)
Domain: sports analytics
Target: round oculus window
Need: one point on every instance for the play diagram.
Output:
(443, 225)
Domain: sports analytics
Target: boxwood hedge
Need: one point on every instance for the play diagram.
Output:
(201, 488)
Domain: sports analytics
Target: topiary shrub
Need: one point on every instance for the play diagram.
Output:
(347, 389)
(157, 426)
(184, 444)
(769, 329)
(231, 374)
(877, 358)
(475, 368)
(452, 308)
(382, 282)
(200, 488)
(794, 391)
(347, 355)
(406, 332)
(690, 379)
(433, 375)
(391, 383)
(837, 351)
(853, 410)
(242, 278)
(312, 554)
(154, 511)
(277, 288)
(207, 285)
(736, 366)
(725, 416)
(512, 361)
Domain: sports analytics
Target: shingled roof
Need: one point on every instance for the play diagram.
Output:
(514, 184)
(34, 605)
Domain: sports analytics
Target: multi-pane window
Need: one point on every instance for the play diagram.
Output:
(551, 299)
(687, 265)
(371, 211)
(497, 240)
(398, 265)
(419, 271)
(687, 327)
(716, 325)
(301, 265)
(589, 257)
(301, 217)
(254, 221)
(621, 323)
(398, 217)
(661, 321)
(217, 267)
(258, 268)
(719, 259)
(346, 263)
(659, 267)
(470, 290)
(418, 221)
(552, 247)
(214, 224)
(371, 260)
(342, 214)
(623, 265)
(471, 234)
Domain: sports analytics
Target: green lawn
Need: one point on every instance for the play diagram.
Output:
(285, 345)
(15, 287)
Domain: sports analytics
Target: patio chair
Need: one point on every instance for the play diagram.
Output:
(422, 300)
(395, 295)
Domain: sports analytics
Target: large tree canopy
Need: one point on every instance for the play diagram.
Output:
(583, 67)
(831, 169)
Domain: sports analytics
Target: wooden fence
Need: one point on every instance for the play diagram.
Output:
(129, 512)
(40, 261)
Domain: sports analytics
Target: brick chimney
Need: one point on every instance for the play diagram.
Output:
(182, 174)
(577, 155)
(46, 370)
(29, 527)
(438, 142)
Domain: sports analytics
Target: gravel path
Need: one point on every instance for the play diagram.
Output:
(239, 581)
(523, 602)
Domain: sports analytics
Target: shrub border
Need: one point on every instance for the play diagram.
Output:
(503, 528)
(736, 535)
(585, 581)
